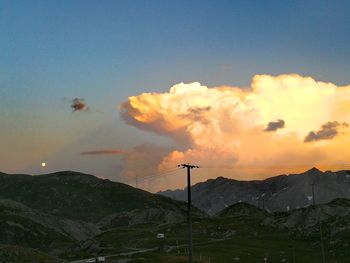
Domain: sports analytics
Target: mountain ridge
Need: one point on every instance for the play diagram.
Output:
(35, 221)
(278, 193)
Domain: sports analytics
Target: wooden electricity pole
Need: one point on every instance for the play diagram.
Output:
(189, 167)
(313, 193)
(320, 223)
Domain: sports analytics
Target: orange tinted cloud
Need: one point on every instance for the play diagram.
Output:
(104, 152)
(224, 126)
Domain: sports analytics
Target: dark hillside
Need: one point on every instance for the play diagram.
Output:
(85, 197)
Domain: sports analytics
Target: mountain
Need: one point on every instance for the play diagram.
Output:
(83, 197)
(60, 214)
(67, 216)
(280, 193)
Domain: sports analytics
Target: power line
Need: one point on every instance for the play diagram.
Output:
(158, 176)
(160, 172)
(140, 179)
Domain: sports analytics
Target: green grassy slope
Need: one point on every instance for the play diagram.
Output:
(84, 197)
(17, 228)
(242, 233)
(23, 255)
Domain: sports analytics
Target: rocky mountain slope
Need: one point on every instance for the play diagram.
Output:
(336, 211)
(331, 220)
(280, 193)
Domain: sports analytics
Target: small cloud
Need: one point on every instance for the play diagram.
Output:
(275, 125)
(79, 104)
(328, 131)
(226, 67)
(104, 152)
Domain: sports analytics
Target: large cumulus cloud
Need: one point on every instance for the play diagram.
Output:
(224, 126)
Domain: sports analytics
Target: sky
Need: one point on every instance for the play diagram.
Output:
(126, 89)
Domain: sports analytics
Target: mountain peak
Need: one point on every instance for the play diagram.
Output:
(69, 175)
(314, 170)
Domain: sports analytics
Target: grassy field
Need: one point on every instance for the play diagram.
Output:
(223, 240)
(24, 255)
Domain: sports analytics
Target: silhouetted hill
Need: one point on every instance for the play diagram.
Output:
(280, 193)
(243, 210)
(84, 197)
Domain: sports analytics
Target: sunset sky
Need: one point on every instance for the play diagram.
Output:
(244, 89)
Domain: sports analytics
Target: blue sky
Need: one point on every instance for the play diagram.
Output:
(106, 51)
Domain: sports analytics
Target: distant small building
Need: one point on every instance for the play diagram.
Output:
(94, 260)
(160, 236)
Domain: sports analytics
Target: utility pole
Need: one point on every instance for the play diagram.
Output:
(320, 223)
(263, 200)
(189, 167)
(321, 238)
(136, 181)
